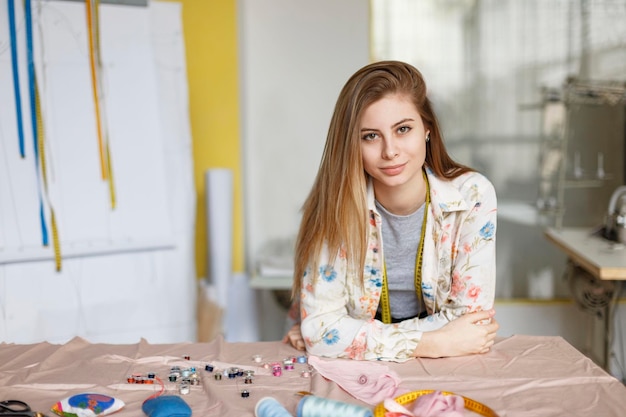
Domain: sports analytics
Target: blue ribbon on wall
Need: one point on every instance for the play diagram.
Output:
(16, 76)
(32, 89)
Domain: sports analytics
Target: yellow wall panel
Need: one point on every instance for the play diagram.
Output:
(210, 28)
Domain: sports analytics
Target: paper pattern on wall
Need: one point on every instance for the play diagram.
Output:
(87, 223)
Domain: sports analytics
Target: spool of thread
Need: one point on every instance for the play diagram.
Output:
(277, 370)
(312, 406)
(270, 407)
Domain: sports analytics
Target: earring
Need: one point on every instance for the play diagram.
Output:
(428, 137)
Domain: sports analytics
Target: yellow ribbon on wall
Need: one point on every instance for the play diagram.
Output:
(95, 63)
(56, 243)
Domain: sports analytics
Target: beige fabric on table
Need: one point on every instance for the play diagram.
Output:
(521, 376)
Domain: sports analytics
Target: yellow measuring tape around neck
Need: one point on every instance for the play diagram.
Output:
(384, 296)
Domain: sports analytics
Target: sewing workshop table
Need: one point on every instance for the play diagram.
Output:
(521, 376)
(603, 259)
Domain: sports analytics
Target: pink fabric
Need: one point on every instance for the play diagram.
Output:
(435, 404)
(367, 381)
(519, 374)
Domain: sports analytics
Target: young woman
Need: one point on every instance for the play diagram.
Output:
(395, 257)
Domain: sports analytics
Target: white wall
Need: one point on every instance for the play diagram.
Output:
(119, 291)
(294, 58)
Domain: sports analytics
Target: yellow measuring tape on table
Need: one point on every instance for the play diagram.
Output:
(410, 397)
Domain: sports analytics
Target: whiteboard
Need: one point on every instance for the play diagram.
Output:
(80, 198)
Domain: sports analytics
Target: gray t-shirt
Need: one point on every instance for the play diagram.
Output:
(401, 237)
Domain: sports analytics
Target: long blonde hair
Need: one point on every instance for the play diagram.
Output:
(335, 213)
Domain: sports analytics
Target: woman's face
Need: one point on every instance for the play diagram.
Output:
(393, 143)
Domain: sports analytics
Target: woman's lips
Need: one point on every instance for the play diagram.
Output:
(393, 170)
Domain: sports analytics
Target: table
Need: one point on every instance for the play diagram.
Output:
(603, 259)
(520, 376)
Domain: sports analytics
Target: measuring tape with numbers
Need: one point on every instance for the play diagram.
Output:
(95, 63)
(56, 244)
(384, 296)
(410, 397)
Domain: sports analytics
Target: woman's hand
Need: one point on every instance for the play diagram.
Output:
(463, 336)
(294, 337)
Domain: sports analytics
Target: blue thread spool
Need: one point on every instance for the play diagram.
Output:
(312, 406)
(269, 407)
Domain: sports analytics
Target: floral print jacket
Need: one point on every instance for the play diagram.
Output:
(458, 276)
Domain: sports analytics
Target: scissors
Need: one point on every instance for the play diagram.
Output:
(16, 408)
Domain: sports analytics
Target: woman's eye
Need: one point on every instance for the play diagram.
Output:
(404, 129)
(369, 136)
